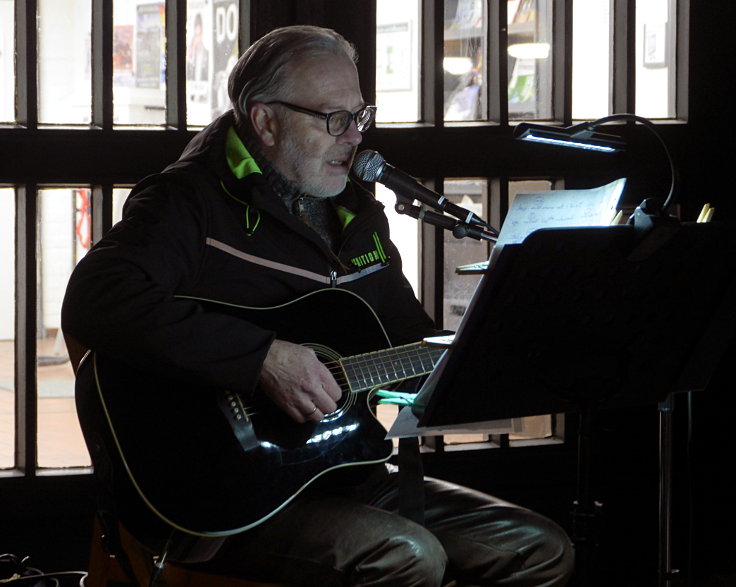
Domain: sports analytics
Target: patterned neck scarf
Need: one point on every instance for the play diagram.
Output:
(317, 213)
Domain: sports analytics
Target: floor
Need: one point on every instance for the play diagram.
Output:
(60, 442)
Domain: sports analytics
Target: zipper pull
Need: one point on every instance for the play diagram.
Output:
(333, 278)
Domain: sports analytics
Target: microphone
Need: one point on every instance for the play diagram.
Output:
(370, 166)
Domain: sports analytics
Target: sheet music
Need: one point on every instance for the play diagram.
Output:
(558, 209)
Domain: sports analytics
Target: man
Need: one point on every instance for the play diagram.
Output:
(258, 212)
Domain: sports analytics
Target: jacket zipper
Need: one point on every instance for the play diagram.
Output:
(333, 278)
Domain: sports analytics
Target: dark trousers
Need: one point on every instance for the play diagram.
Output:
(326, 537)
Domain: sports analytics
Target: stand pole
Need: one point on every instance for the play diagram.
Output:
(665, 571)
(586, 509)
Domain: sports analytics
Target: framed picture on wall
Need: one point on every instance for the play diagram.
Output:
(655, 45)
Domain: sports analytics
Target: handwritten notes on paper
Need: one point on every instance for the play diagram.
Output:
(560, 209)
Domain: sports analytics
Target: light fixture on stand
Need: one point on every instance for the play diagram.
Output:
(585, 136)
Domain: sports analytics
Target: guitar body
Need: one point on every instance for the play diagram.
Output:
(198, 460)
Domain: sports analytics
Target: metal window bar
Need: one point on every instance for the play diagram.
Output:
(102, 48)
(101, 211)
(26, 404)
(681, 81)
(623, 68)
(496, 62)
(26, 63)
(176, 55)
(432, 39)
(562, 60)
(26, 417)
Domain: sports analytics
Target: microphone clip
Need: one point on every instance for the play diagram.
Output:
(458, 228)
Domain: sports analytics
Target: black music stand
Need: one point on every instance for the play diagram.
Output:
(586, 319)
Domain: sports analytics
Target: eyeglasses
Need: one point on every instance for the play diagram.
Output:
(338, 122)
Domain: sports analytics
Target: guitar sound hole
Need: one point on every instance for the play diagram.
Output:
(343, 405)
(331, 359)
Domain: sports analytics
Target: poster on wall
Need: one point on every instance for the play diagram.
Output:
(212, 50)
(225, 52)
(393, 56)
(655, 45)
(199, 45)
(122, 55)
(149, 43)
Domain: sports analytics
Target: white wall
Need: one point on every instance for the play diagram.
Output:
(7, 263)
(57, 251)
(7, 72)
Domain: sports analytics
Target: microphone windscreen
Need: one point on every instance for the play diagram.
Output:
(368, 165)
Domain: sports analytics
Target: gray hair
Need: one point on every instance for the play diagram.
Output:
(261, 73)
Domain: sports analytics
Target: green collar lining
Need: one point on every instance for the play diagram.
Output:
(346, 216)
(239, 160)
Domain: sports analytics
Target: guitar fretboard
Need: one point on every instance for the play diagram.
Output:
(370, 370)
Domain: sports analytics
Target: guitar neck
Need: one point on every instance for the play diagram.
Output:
(373, 369)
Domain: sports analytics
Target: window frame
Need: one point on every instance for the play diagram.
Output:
(97, 148)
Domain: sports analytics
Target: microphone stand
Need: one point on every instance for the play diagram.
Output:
(458, 228)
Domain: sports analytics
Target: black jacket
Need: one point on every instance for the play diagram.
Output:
(209, 227)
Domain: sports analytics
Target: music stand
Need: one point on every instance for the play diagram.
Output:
(586, 319)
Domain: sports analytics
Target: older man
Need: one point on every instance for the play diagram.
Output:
(258, 212)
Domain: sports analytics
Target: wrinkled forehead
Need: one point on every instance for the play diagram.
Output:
(325, 80)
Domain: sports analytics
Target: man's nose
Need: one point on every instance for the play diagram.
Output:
(351, 136)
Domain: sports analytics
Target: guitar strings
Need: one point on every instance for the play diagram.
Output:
(393, 361)
(376, 361)
(385, 361)
(398, 353)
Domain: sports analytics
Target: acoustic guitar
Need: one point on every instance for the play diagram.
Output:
(208, 462)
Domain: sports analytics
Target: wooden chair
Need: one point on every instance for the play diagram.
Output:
(106, 569)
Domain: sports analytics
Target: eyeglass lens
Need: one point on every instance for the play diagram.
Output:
(338, 122)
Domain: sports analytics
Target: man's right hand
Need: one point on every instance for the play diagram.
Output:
(298, 383)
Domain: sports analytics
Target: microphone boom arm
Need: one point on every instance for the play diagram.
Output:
(458, 228)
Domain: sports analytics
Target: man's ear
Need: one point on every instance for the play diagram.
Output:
(264, 123)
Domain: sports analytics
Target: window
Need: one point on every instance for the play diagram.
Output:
(591, 69)
(7, 332)
(655, 56)
(63, 236)
(96, 95)
(397, 60)
(7, 69)
(503, 62)
(64, 61)
(530, 59)
(463, 60)
(139, 62)
(91, 92)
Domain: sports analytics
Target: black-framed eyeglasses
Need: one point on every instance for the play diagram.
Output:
(338, 122)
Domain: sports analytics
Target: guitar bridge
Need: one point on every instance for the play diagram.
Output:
(232, 409)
